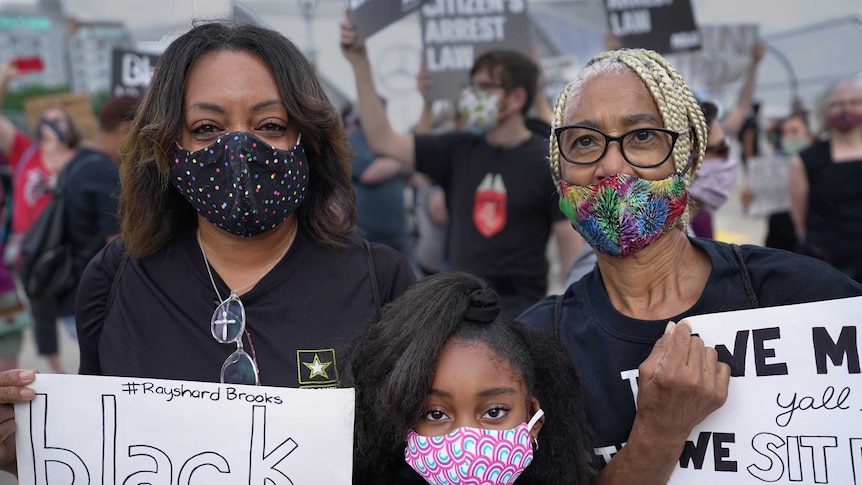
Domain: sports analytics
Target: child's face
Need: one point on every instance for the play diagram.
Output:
(474, 387)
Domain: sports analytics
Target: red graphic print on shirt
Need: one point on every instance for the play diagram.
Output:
(489, 206)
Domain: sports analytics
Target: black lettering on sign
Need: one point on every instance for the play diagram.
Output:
(761, 353)
(846, 346)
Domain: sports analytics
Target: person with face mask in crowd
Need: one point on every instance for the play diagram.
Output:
(792, 136)
(236, 262)
(443, 369)
(36, 164)
(715, 178)
(629, 138)
(826, 184)
(502, 207)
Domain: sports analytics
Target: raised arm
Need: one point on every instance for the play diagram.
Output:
(798, 187)
(425, 123)
(372, 114)
(8, 71)
(734, 120)
(679, 384)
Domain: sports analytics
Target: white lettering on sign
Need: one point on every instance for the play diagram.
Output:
(449, 58)
(684, 40)
(467, 7)
(136, 70)
(630, 22)
(631, 4)
(472, 29)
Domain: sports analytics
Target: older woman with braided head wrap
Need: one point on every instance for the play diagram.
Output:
(628, 140)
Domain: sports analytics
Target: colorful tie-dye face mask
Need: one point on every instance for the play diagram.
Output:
(472, 455)
(242, 184)
(622, 214)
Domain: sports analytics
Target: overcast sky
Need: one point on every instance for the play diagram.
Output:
(772, 15)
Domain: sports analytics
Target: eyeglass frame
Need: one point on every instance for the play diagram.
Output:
(240, 349)
(619, 139)
(485, 86)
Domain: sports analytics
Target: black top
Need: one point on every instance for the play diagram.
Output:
(834, 202)
(91, 196)
(158, 326)
(502, 203)
(607, 347)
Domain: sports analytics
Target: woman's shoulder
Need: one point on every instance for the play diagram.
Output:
(779, 276)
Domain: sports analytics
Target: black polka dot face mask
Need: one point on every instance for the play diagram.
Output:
(242, 184)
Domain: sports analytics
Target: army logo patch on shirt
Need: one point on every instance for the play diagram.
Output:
(316, 368)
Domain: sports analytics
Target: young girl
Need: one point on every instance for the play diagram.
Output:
(451, 391)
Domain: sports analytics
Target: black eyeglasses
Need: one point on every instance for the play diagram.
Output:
(641, 147)
(485, 85)
(228, 326)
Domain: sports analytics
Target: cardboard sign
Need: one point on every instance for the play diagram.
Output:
(768, 178)
(455, 33)
(131, 72)
(80, 430)
(557, 72)
(794, 409)
(371, 16)
(78, 105)
(664, 26)
(723, 58)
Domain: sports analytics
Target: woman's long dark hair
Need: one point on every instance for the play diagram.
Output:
(392, 368)
(152, 210)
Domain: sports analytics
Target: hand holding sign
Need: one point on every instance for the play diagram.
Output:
(679, 384)
(12, 390)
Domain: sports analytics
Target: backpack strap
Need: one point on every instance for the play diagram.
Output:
(372, 274)
(746, 277)
(558, 314)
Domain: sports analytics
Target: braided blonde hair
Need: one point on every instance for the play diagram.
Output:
(676, 104)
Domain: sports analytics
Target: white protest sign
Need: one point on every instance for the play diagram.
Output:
(456, 32)
(794, 409)
(723, 58)
(80, 430)
(767, 179)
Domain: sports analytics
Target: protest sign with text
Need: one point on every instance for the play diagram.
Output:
(456, 32)
(723, 58)
(131, 72)
(794, 409)
(371, 16)
(109, 430)
(664, 26)
(767, 179)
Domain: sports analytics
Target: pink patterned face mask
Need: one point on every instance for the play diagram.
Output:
(472, 456)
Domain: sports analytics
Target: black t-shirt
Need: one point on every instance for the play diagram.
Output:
(834, 201)
(607, 347)
(502, 203)
(305, 310)
(91, 209)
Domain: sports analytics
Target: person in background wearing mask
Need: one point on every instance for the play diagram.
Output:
(793, 136)
(91, 194)
(826, 184)
(717, 175)
(36, 164)
(501, 200)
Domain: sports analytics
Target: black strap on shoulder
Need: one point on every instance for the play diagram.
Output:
(746, 277)
(558, 314)
(372, 273)
(115, 283)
